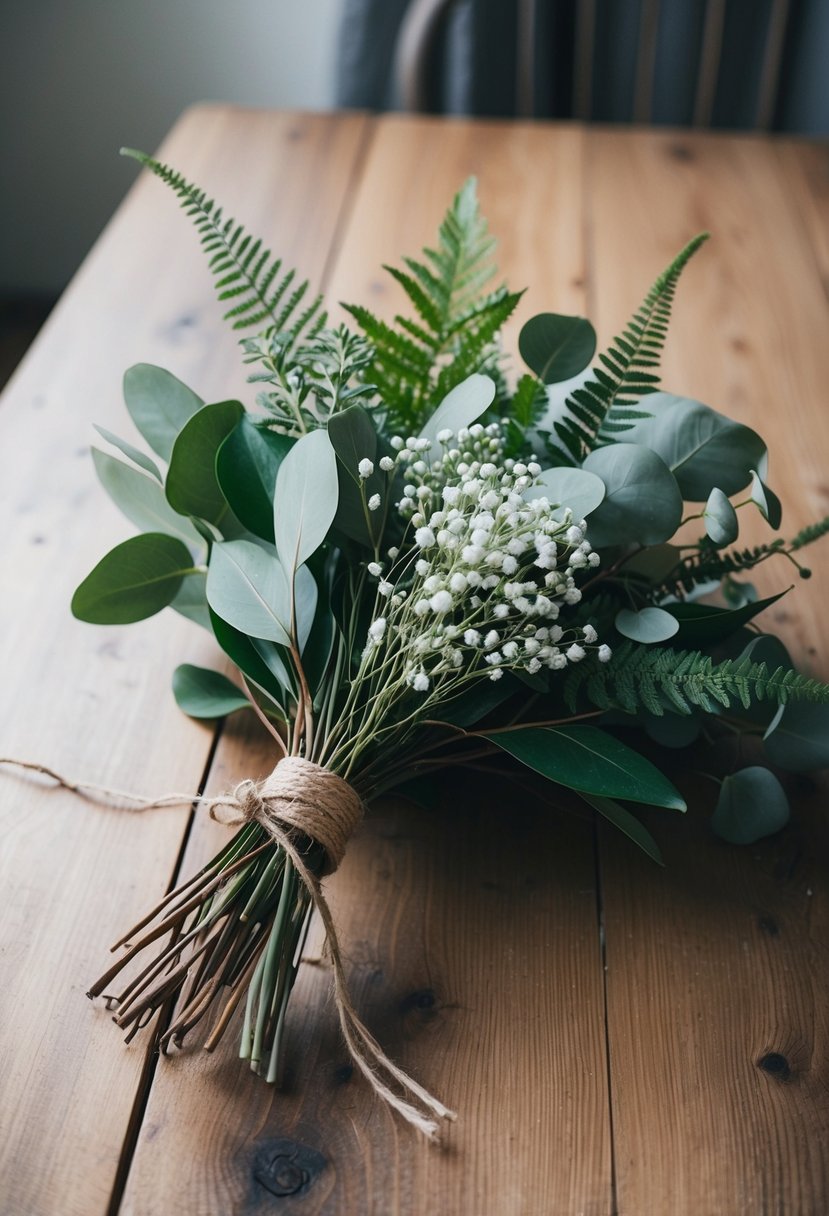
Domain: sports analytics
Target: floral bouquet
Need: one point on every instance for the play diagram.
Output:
(412, 563)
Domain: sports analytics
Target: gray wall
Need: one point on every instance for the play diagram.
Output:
(80, 78)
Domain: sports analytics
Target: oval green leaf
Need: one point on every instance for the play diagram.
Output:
(642, 500)
(247, 587)
(305, 499)
(461, 407)
(649, 625)
(591, 761)
(134, 580)
(702, 448)
(159, 405)
(259, 661)
(622, 819)
(720, 518)
(192, 485)
(190, 600)
(141, 499)
(201, 693)
(577, 489)
(354, 438)
(557, 347)
(706, 624)
(752, 804)
(246, 467)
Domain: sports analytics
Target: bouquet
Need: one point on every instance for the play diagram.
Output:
(413, 560)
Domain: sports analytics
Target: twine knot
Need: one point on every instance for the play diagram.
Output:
(298, 795)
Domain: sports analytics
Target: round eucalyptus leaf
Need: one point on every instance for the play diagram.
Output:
(460, 407)
(134, 580)
(648, 625)
(305, 499)
(577, 489)
(797, 738)
(766, 500)
(247, 586)
(642, 501)
(721, 524)
(246, 467)
(192, 486)
(702, 448)
(159, 405)
(557, 347)
(752, 804)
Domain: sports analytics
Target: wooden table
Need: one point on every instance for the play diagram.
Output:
(617, 1038)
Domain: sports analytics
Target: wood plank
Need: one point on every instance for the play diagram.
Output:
(717, 1005)
(806, 169)
(95, 702)
(475, 960)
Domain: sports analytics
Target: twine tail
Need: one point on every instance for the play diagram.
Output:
(364, 1049)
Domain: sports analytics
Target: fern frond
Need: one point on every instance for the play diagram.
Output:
(808, 535)
(418, 360)
(606, 405)
(655, 677)
(245, 273)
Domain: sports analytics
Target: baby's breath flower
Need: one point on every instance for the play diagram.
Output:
(374, 502)
(575, 653)
(590, 634)
(386, 464)
(605, 653)
(365, 468)
(375, 569)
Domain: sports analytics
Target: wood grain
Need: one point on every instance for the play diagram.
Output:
(95, 702)
(475, 961)
(717, 985)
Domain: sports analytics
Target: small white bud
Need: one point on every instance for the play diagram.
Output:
(365, 468)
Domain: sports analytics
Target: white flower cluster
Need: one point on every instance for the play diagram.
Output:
(481, 588)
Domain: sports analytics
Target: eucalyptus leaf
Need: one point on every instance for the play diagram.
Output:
(248, 587)
(721, 524)
(766, 500)
(134, 580)
(246, 467)
(557, 347)
(305, 500)
(622, 819)
(141, 499)
(798, 737)
(132, 453)
(591, 761)
(707, 624)
(259, 661)
(461, 407)
(192, 486)
(202, 693)
(642, 502)
(577, 489)
(158, 404)
(648, 625)
(190, 600)
(702, 448)
(752, 804)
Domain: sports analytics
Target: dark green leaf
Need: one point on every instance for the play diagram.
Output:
(260, 662)
(752, 804)
(706, 624)
(557, 347)
(159, 405)
(246, 468)
(135, 580)
(622, 819)
(192, 485)
(202, 693)
(354, 438)
(591, 761)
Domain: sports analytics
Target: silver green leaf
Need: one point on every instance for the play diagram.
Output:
(305, 499)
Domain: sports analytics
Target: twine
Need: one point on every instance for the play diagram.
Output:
(300, 796)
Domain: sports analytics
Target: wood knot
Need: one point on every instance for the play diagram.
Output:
(285, 1167)
(776, 1065)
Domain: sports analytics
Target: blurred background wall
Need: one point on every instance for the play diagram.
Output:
(79, 78)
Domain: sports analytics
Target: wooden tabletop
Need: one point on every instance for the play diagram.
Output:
(615, 1037)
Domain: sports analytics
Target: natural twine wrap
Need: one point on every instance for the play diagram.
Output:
(302, 796)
